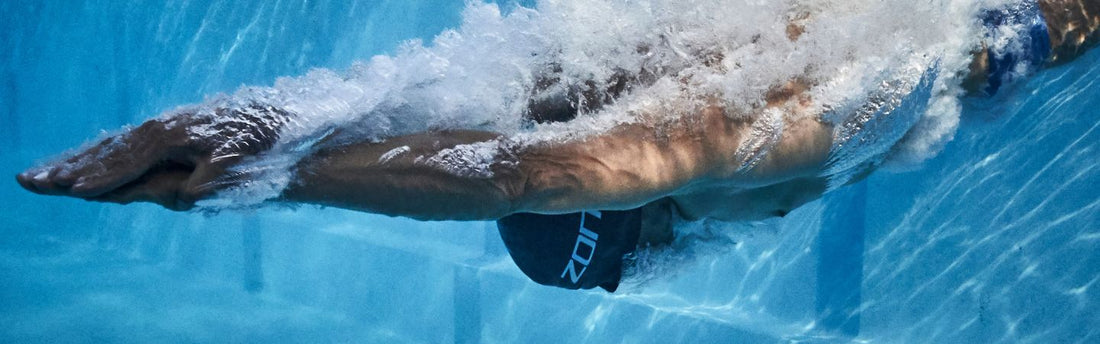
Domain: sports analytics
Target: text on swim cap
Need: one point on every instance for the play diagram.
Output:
(586, 240)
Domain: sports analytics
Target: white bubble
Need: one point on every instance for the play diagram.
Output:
(482, 74)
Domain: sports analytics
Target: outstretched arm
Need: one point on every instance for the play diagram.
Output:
(440, 175)
(430, 175)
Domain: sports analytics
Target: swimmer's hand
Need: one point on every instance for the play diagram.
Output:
(162, 161)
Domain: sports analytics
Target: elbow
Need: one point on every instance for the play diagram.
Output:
(510, 184)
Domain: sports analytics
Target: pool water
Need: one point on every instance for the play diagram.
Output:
(995, 239)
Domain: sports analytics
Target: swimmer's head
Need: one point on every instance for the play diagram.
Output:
(572, 251)
(601, 249)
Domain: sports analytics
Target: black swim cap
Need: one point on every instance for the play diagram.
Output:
(572, 251)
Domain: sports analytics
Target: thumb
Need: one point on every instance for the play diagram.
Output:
(209, 177)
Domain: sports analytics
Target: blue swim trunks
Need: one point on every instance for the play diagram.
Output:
(1018, 43)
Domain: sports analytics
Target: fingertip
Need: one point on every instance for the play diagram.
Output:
(23, 176)
(24, 180)
(41, 176)
(37, 180)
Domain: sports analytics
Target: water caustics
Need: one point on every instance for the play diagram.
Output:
(992, 239)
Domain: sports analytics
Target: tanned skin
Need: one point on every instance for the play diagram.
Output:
(689, 165)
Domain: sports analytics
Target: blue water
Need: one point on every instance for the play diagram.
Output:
(996, 239)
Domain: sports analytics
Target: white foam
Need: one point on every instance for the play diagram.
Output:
(481, 74)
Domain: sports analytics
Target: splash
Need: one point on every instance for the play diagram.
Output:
(484, 74)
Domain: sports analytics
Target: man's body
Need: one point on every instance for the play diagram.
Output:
(693, 167)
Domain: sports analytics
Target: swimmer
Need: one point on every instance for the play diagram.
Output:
(568, 211)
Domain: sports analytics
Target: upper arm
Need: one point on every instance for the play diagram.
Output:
(634, 164)
(802, 151)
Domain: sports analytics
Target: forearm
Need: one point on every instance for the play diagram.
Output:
(395, 178)
(428, 176)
